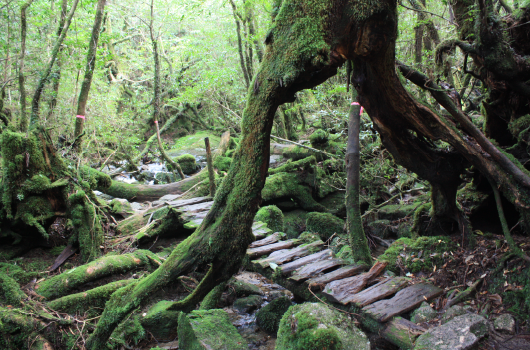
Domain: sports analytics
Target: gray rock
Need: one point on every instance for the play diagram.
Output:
(461, 333)
(104, 196)
(318, 327)
(136, 206)
(424, 313)
(505, 323)
(163, 177)
(242, 288)
(248, 304)
(454, 311)
(380, 228)
(166, 198)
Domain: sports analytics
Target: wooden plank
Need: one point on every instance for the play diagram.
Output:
(293, 265)
(341, 290)
(289, 255)
(183, 202)
(65, 254)
(259, 251)
(343, 272)
(266, 241)
(315, 268)
(402, 332)
(379, 291)
(405, 300)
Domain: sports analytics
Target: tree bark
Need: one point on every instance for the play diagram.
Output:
(89, 72)
(23, 121)
(57, 74)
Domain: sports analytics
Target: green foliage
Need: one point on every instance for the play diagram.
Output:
(222, 163)
(319, 137)
(272, 216)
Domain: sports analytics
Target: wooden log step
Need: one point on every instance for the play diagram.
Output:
(340, 291)
(293, 265)
(379, 291)
(402, 332)
(275, 237)
(343, 272)
(260, 230)
(405, 300)
(315, 268)
(289, 255)
(259, 251)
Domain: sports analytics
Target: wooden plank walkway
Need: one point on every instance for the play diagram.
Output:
(312, 267)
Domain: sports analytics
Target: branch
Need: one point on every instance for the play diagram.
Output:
(447, 46)
(425, 11)
(306, 147)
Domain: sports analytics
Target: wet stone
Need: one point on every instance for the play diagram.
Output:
(248, 304)
(461, 333)
(424, 313)
(505, 323)
(454, 311)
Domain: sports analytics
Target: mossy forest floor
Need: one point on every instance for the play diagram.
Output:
(309, 206)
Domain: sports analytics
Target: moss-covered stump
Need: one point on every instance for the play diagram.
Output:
(91, 301)
(268, 317)
(289, 185)
(325, 224)
(314, 326)
(72, 279)
(187, 164)
(208, 330)
(272, 216)
(422, 253)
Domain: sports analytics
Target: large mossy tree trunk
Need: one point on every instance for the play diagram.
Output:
(309, 40)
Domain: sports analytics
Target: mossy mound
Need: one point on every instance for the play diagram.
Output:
(517, 300)
(208, 329)
(416, 255)
(397, 211)
(272, 216)
(314, 326)
(294, 223)
(268, 317)
(325, 224)
(187, 164)
(319, 137)
(194, 142)
(222, 163)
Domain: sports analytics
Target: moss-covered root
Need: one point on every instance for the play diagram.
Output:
(291, 166)
(289, 185)
(64, 283)
(91, 299)
(10, 292)
(212, 299)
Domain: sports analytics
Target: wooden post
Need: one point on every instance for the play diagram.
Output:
(210, 166)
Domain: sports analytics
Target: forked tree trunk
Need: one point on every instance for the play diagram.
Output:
(305, 47)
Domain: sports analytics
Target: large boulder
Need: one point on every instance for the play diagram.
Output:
(314, 326)
(461, 333)
(187, 164)
(268, 317)
(208, 330)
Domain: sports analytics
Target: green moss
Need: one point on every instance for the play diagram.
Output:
(161, 321)
(268, 317)
(187, 163)
(417, 255)
(516, 299)
(288, 185)
(247, 304)
(222, 163)
(56, 251)
(290, 166)
(34, 211)
(96, 179)
(272, 216)
(324, 224)
(294, 223)
(10, 292)
(319, 137)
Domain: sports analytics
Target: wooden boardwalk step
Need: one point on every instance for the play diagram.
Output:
(275, 237)
(296, 264)
(264, 250)
(289, 255)
(260, 230)
(405, 300)
(315, 268)
(379, 291)
(345, 271)
(340, 291)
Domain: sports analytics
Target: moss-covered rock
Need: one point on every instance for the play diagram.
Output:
(289, 185)
(272, 216)
(325, 224)
(419, 254)
(379, 228)
(163, 177)
(268, 317)
(396, 211)
(160, 321)
(241, 288)
(314, 326)
(294, 223)
(424, 313)
(208, 330)
(247, 304)
(121, 207)
(187, 164)
(319, 137)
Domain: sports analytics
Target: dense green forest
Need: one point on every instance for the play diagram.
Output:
(264, 174)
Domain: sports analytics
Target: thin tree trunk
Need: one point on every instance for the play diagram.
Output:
(209, 160)
(57, 75)
(23, 121)
(89, 72)
(44, 77)
(354, 223)
(156, 97)
(240, 45)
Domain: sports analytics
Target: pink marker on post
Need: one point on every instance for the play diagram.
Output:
(80, 116)
(358, 104)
